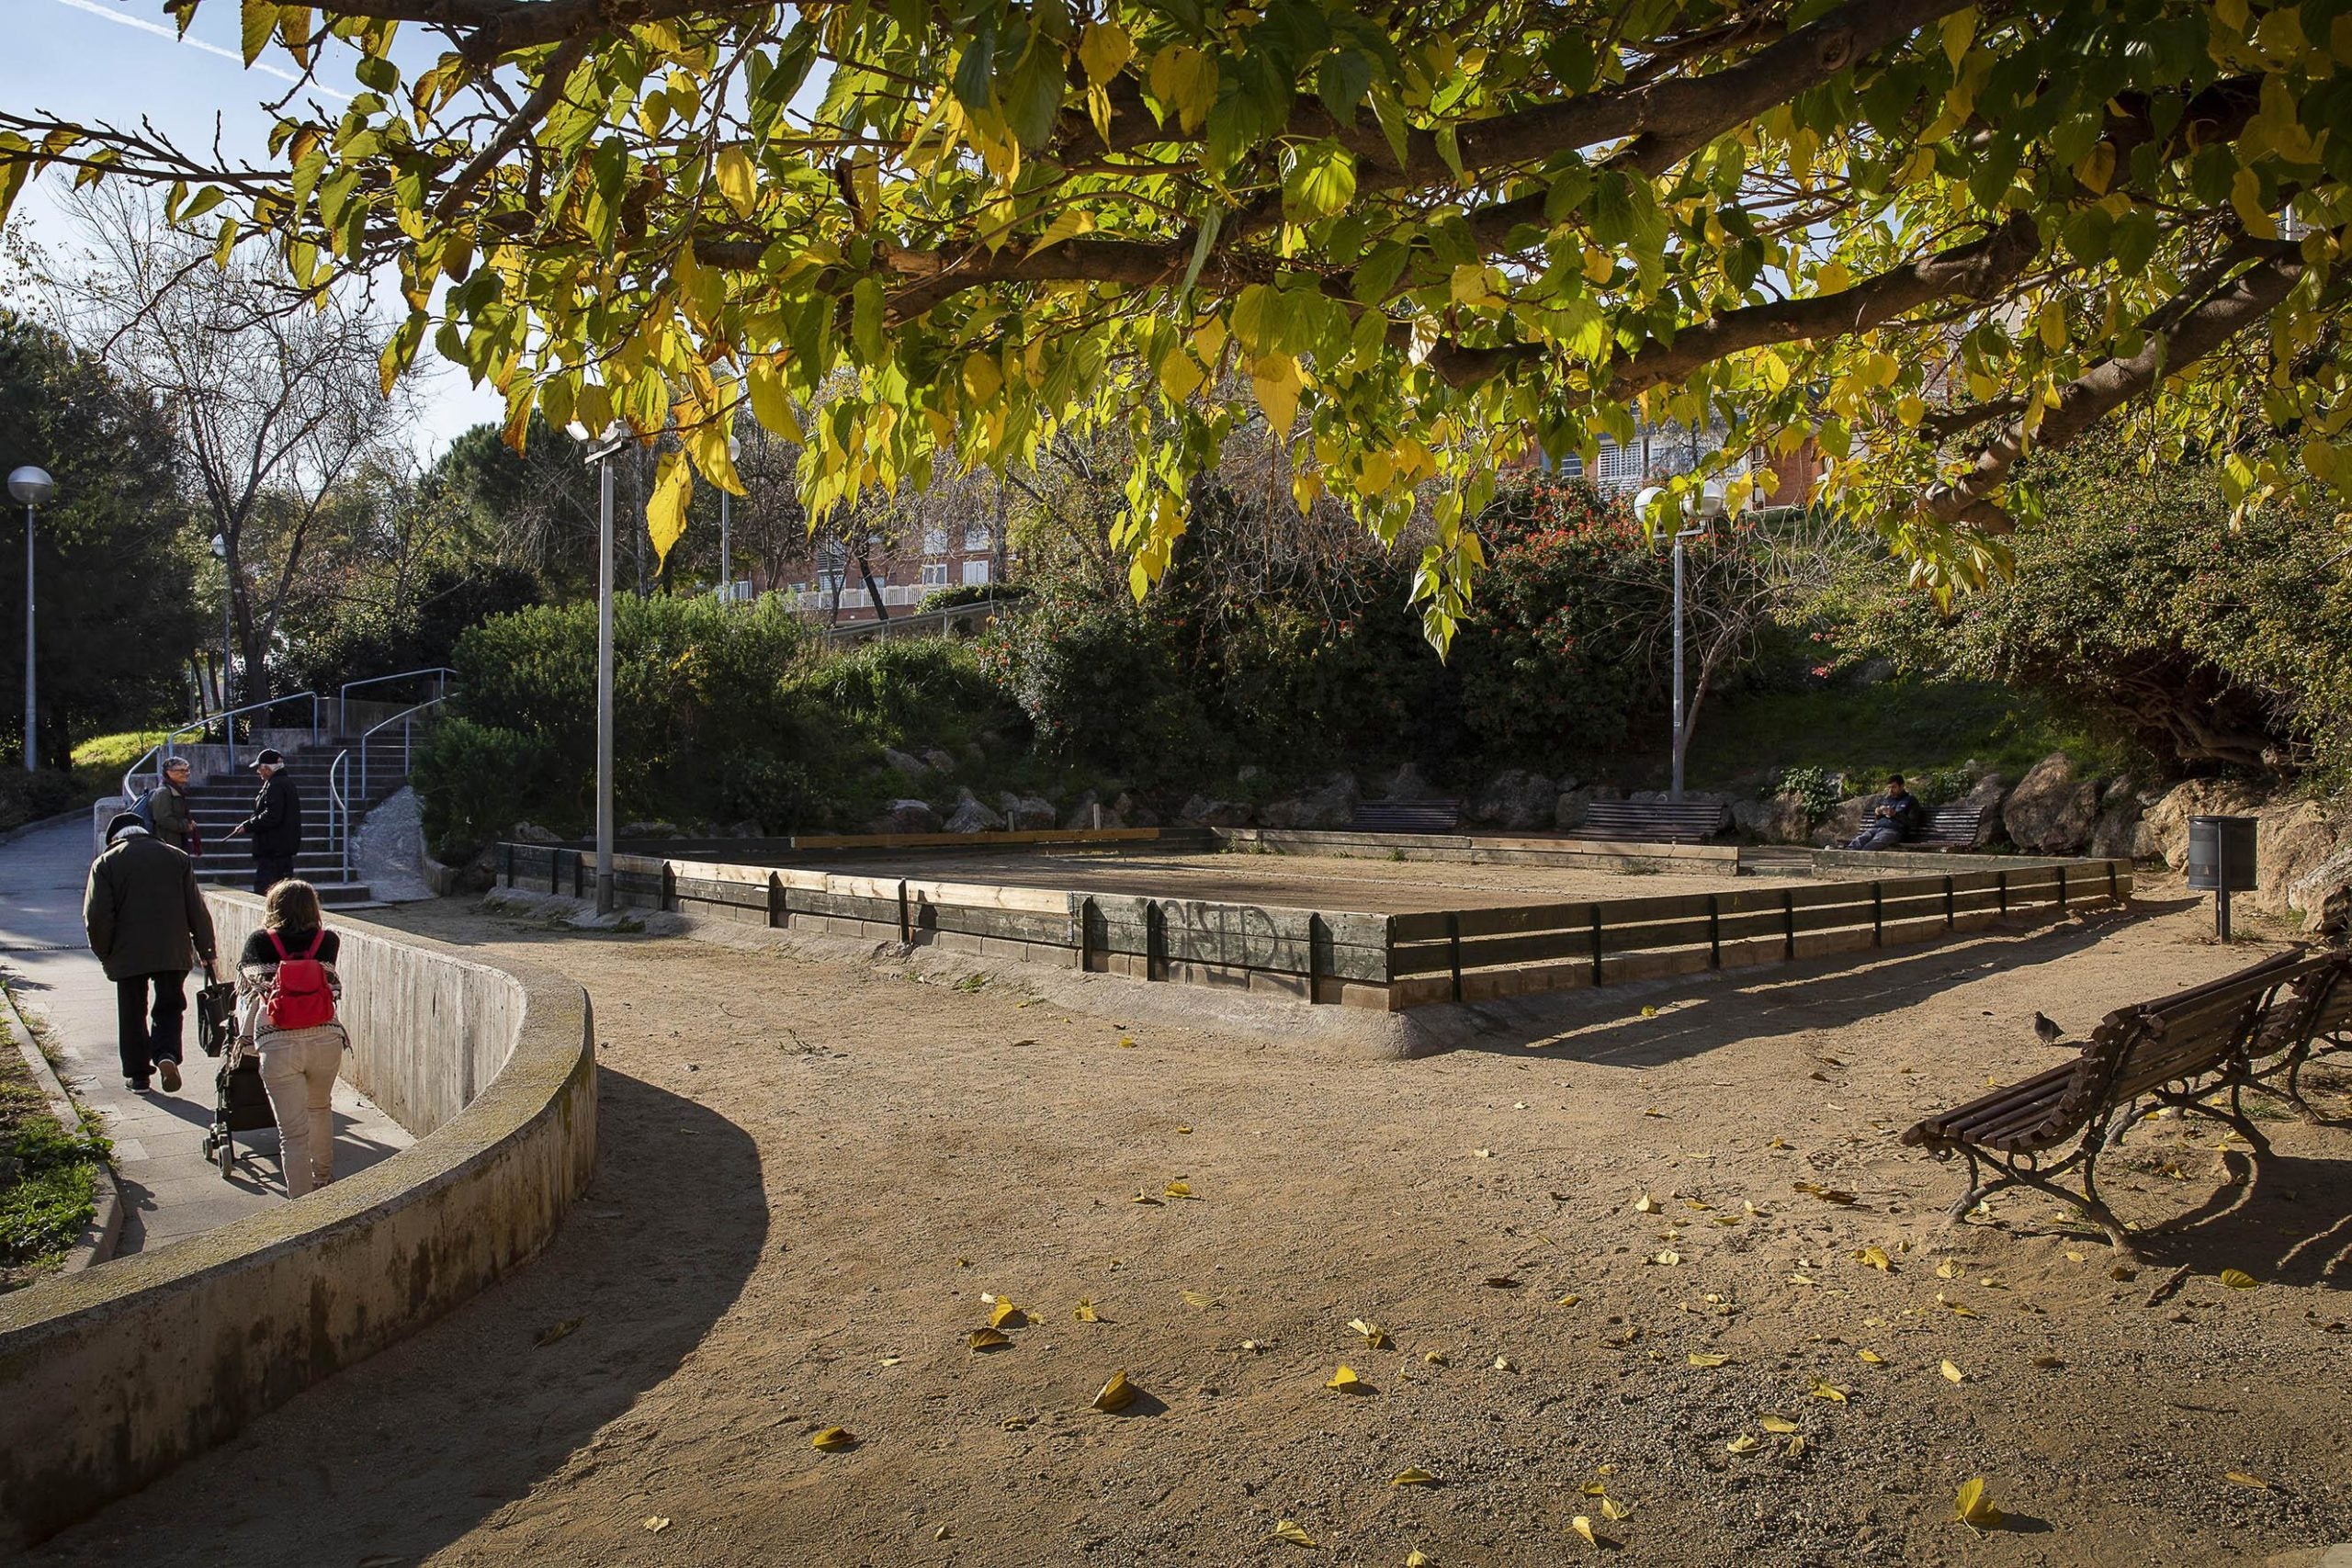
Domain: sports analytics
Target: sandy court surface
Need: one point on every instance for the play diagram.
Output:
(1299, 882)
(812, 1169)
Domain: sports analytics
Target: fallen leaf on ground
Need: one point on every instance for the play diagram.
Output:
(1743, 1444)
(1194, 1299)
(1654, 1110)
(834, 1438)
(1145, 1198)
(1953, 1374)
(1414, 1476)
(2048, 1361)
(1580, 1524)
(1870, 1357)
(657, 1523)
(1127, 1043)
(1567, 1301)
(1773, 1422)
(1117, 1395)
(1419, 1558)
(1007, 1316)
(1251, 1346)
(1876, 1257)
(1828, 1391)
(1375, 1336)
(1179, 1190)
(1827, 1194)
(1288, 1530)
(888, 1361)
(1669, 1257)
(1183, 1128)
(1435, 1358)
(1483, 1153)
(1975, 1507)
(1645, 1204)
(986, 1339)
(1778, 1143)
(2243, 1479)
(1610, 1509)
(1346, 1382)
(1649, 1011)
(556, 1331)
(939, 1534)
(1501, 1282)
(2239, 1280)
(1502, 1364)
(1707, 1359)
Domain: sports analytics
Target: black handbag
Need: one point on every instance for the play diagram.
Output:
(216, 1017)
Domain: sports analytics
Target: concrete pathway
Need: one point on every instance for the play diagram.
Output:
(169, 1191)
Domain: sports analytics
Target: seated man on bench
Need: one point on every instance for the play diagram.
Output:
(1895, 819)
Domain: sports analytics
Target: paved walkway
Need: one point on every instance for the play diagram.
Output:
(169, 1191)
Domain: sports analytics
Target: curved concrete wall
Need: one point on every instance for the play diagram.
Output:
(110, 1377)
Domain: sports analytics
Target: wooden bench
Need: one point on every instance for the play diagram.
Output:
(2172, 1052)
(1439, 816)
(1953, 828)
(2312, 1017)
(1654, 821)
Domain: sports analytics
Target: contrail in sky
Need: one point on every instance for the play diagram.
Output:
(159, 31)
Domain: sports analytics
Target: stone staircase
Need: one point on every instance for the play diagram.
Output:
(222, 800)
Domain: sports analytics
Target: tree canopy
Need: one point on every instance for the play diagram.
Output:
(1932, 235)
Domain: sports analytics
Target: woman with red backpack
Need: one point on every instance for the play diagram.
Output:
(288, 989)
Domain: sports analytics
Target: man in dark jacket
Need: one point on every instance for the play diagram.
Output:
(1894, 817)
(165, 810)
(275, 826)
(148, 925)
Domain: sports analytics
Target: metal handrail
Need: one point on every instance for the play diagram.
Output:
(339, 774)
(169, 746)
(343, 696)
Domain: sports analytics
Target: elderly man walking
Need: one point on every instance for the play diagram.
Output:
(148, 925)
(165, 810)
(275, 826)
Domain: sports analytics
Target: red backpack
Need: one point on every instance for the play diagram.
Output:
(299, 998)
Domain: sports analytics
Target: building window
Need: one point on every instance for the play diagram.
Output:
(976, 537)
(976, 573)
(1619, 463)
(934, 542)
(935, 575)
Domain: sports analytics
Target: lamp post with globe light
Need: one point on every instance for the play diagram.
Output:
(601, 447)
(228, 609)
(30, 487)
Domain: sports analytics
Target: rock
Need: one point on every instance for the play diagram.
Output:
(1201, 811)
(2052, 809)
(910, 767)
(1773, 820)
(1987, 794)
(532, 833)
(2116, 833)
(1025, 813)
(906, 817)
(1248, 774)
(1516, 800)
(2163, 832)
(2322, 895)
(651, 829)
(972, 817)
(1844, 820)
(2292, 840)
(1331, 806)
(1134, 813)
(1083, 814)
(938, 761)
(747, 828)
(1570, 808)
(1407, 783)
(973, 755)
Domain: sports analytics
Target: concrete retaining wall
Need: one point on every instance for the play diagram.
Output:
(113, 1376)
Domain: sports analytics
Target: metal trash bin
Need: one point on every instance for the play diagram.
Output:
(2221, 861)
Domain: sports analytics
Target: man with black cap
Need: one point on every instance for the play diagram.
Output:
(275, 826)
(148, 925)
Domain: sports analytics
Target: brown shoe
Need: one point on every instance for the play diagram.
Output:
(169, 1071)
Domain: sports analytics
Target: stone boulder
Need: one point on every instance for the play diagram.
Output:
(2163, 833)
(1133, 813)
(1773, 820)
(1330, 806)
(1517, 800)
(1025, 813)
(2117, 831)
(908, 766)
(2322, 895)
(2054, 808)
(1844, 820)
(2292, 840)
(649, 830)
(532, 833)
(938, 761)
(1570, 808)
(1084, 813)
(1985, 794)
(972, 817)
(1407, 783)
(1201, 811)
(905, 817)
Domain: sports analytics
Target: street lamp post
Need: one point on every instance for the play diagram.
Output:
(31, 488)
(1711, 505)
(228, 631)
(600, 451)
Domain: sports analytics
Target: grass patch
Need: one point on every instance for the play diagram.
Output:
(1903, 725)
(47, 1177)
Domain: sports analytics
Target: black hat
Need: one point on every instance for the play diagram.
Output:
(120, 820)
(272, 756)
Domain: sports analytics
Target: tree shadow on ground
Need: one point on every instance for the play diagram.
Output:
(1698, 1013)
(2284, 1219)
(392, 1459)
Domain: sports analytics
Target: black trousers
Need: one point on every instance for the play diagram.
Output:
(147, 1036)
(271, 869)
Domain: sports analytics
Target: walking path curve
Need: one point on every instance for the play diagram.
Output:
(169, 1189)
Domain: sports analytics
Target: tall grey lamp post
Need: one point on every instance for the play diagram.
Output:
(30, 487)
(228, 624)
(601, 448)
(1710, 502)
(726, 531)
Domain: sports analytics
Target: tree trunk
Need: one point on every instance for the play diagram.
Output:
(865, 570)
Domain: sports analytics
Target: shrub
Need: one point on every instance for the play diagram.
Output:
(476, 781)
(27, 797)
(1814, 787)
(1100, 681)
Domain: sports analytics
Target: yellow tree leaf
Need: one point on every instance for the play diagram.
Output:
(1828, 1391)
(2239, 1280)
(833, 1440)
(1870, 1357)
(666, 509)
(1104, 50)
(1703, 1359)
(1974, 1506)
(1115, 1395)
(1583, 1527)
(1876, 1257)
(1179, 1190)
(737, 180)
(1084, 1311)
(1008, 1315)
(986, 1340)
(1375, 1336)
(1346, 1380)
(1185, 79)
(1288, 1529)
(1414, 1476)
(1772, 1423)
(1952, 1373)
(1275, 378)
(2243, 1479)
(1743, 1444)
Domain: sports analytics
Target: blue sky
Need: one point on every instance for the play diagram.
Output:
(84, 60)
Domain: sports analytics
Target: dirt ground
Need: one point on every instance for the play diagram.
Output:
(1293, 882)
(813, 1167)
